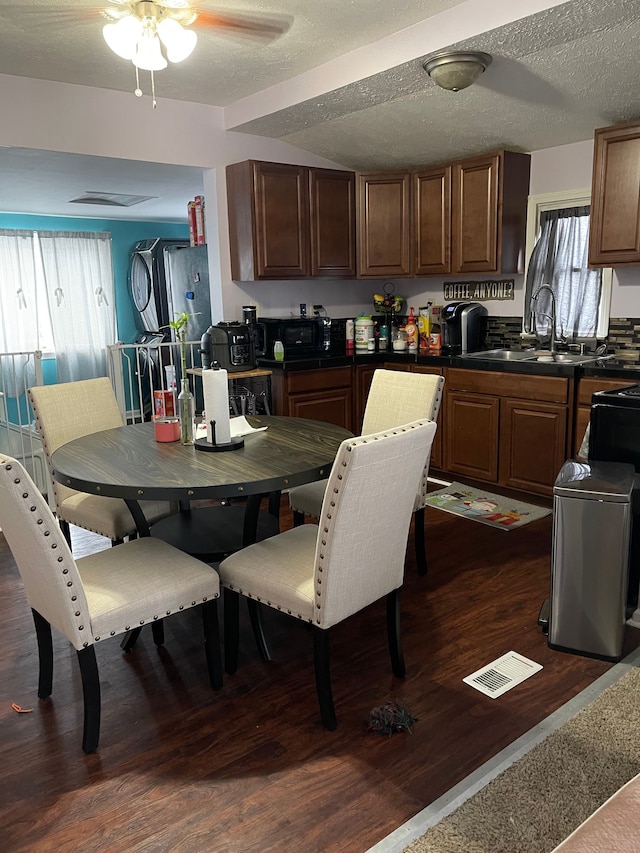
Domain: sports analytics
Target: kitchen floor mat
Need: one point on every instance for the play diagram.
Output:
(485, 507)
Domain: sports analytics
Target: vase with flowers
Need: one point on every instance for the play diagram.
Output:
(186, 400)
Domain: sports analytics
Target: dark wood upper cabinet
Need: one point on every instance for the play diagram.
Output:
(451, 219)
(333, 218)
(384, 225)
(288, 221)
(614, 237)
(489, 209)
(432, 218)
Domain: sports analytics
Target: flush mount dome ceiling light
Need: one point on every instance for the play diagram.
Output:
(150, 32)
(456, 70)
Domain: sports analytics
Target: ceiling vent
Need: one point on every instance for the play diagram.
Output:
(110, 199)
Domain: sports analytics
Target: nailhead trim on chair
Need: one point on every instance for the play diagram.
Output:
(257, 598)
(54, 545)
(336, 490)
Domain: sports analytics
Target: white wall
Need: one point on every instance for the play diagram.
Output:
(58, 117)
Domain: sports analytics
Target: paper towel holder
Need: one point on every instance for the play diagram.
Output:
(203, 444)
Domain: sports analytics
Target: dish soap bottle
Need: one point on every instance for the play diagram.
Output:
(411, 331)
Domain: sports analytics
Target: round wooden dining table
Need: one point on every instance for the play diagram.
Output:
(127, 462)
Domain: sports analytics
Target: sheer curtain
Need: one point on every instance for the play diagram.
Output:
(19, 314)
(560, 259)
(19, 309)
(78, 274)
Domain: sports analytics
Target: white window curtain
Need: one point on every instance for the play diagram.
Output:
(18, 298)
(19, 309)
(78, 274)
(560, 259)
(63, 282)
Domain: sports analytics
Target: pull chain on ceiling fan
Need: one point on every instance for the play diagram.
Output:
(143, 28)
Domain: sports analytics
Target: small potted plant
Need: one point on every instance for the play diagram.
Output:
(186, 400)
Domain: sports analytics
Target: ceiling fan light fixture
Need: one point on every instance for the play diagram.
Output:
(148, 55)
(123, 36)
(456, 70)
(178, 41)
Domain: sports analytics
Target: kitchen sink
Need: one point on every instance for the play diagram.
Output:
(542, 356)
(501, 355)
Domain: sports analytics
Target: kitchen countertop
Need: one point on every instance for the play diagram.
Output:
(612, 368)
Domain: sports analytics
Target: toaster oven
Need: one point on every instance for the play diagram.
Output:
(301, 337)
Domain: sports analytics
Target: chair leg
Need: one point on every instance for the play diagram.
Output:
(91, 693)
(65, 530)
(212, 642)
(255, 614)
(129, 639)
(45, 655)
(421, 554)
(231, 601)
(157, 629)
(274, 504)
(393, 634)
(323, 677)
(298, 518)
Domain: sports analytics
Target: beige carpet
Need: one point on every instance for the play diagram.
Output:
(539, 800)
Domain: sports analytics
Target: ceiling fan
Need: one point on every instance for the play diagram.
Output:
(152, 33)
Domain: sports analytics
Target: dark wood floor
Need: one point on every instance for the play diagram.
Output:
(250, 768)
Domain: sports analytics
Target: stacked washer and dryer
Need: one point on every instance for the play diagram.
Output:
(167, 277)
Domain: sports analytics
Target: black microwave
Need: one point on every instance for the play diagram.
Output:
(301, 337)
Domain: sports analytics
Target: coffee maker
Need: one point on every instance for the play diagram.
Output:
(463, 327)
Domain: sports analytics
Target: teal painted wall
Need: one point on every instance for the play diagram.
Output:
(123, 236)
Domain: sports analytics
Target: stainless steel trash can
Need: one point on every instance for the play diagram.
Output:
(592, 519)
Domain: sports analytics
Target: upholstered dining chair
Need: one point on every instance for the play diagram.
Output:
(322, 574)
(69, 410)
(395, 397)
(98, 596)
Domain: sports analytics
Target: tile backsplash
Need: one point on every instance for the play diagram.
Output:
(624, 338)
(503, 333)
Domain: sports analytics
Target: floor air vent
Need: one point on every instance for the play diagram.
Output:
(496, 678)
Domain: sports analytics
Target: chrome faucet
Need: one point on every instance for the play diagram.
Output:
(551, 316)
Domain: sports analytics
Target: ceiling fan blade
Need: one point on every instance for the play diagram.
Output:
(253, 26)
(20, 16)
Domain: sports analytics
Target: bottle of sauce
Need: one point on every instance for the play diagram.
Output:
(411, 331)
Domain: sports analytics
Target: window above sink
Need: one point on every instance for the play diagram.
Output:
(561, 261)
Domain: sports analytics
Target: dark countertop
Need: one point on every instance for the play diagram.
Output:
(610, 368)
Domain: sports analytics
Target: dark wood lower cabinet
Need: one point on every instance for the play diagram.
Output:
(471, 437)
(507, 428)
(320, 395)
(334, 407)
(532, 446)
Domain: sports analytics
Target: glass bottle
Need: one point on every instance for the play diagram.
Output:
(186, 412)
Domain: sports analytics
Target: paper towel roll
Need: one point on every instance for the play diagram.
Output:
(215, 386)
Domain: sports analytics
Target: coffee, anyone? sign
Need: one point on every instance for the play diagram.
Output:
(479, 291)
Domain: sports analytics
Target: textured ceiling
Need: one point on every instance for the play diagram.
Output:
(344, 79)
(57, 40)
